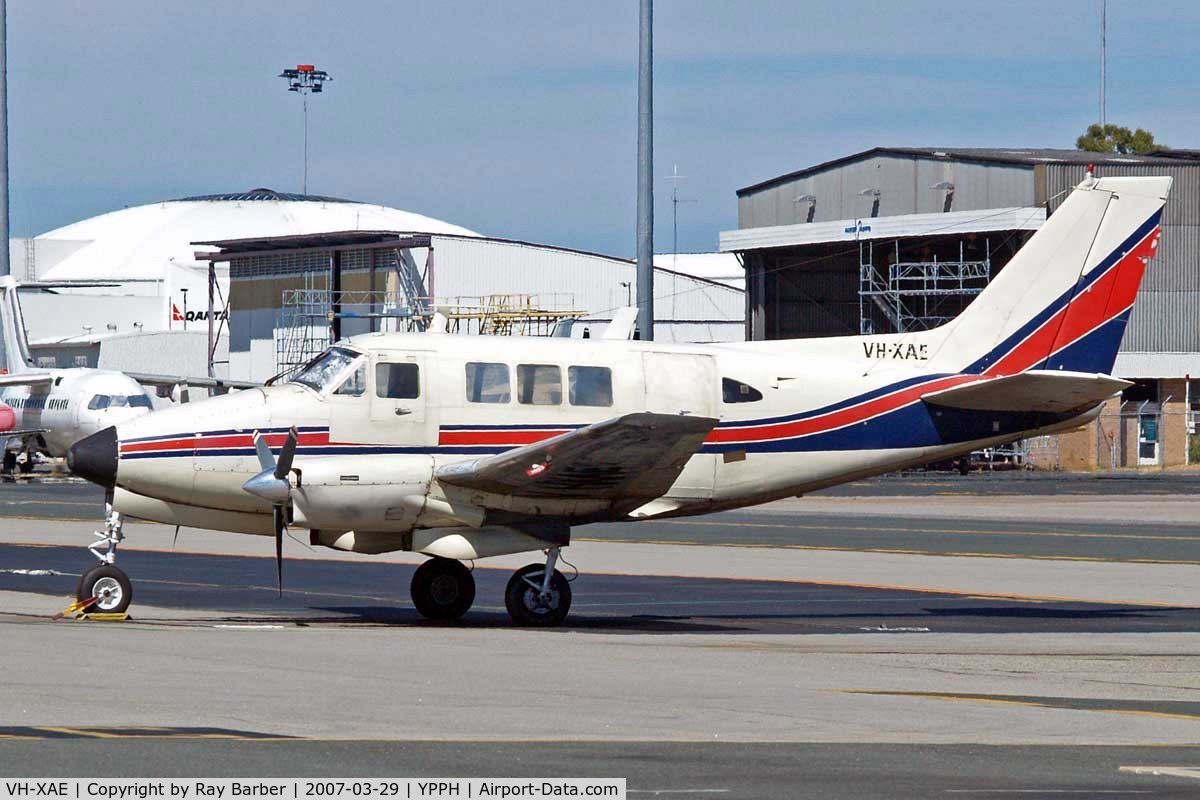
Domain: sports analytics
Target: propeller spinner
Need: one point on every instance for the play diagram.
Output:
(273, 484)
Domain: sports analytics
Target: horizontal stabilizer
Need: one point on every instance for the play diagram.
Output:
(632, 456)
(1037, 390)
(200, 382)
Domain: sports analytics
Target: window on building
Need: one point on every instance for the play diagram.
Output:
(487, 382)
(539, 384)
(355, 383)
(737, 392)
(1143, 390)
(590, 386)
(398, 381)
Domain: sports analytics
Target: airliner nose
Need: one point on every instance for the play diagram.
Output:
(95, 458)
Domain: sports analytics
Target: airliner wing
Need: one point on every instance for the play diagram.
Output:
(150, 379)
(1035, 390)
(633, 456)
(26, 379)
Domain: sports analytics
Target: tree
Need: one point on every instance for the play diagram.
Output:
(1117, 139)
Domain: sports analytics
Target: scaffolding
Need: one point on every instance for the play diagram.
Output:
(917, 295)
(307, 314)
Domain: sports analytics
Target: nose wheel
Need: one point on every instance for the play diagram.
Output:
(110, 587)
(442, 589)
(538, 595)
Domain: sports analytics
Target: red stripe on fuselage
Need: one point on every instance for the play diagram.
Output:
(494, 437)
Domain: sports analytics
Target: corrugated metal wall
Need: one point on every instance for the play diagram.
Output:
(904, 188)
(1166, 317)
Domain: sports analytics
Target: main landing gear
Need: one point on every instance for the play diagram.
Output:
(537, 594)
(106, 585)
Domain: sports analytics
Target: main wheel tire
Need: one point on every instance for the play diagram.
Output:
(525, 604)
(27, 465)
(10, 462)
(109, 585)
(442, 589)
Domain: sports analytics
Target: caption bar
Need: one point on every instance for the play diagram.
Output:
(309, 789)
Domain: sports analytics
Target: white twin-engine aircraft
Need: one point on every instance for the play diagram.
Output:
(468, 447)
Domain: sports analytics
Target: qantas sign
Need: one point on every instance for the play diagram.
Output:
(196, 316)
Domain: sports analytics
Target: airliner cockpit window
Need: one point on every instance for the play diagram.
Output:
(355, 383)
(99, 401)
(322, 371)
(737, 392)
(139, 401)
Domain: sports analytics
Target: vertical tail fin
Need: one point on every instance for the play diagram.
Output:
(1064, 299)
(16, 358)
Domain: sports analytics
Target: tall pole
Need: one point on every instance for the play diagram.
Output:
(645, 201)
(1103, 56)
(305, 189)
(5, 267)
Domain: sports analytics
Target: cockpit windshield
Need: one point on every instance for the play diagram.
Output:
(323, 371)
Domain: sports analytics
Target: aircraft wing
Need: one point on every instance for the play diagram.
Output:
(25, 379)
(150, 379)
(1036, 390)
(632, 456)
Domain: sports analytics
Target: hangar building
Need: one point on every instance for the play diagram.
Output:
(102, 284)
(894, 239)
(291, 296)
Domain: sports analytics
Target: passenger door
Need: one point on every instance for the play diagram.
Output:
(394, 408)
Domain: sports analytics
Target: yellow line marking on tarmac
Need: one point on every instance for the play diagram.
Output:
(963, 698)
(81, 732)
(962, 531)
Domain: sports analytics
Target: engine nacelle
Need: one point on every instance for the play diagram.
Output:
(383, 493)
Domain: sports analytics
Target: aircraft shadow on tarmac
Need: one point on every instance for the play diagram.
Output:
(231, 589)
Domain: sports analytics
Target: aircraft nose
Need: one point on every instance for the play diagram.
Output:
(95, 458)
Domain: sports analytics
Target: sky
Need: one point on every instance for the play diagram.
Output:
(518, 118)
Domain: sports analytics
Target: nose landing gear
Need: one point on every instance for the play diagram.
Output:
(106, 585)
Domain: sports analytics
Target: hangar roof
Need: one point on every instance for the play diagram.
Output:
(145, 242)
(994, 155)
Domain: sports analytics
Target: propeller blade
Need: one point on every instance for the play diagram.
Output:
(286, 454)
(266, 459)
(277, 514)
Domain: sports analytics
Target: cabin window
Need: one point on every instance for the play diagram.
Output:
(487, 382)
(539, 384)
(737, 392)
(398, 381)
(322, 371)
(590, 386)
(355, 384)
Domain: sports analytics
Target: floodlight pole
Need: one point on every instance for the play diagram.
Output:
(303, 79)
(5, 267)
(304, 190)
(645, 199)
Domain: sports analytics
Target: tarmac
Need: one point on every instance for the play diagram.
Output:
(903, 637)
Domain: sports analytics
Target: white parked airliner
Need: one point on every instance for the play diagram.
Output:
(468, 447)
(54, 408)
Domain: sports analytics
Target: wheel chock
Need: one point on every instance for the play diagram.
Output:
(74, 608)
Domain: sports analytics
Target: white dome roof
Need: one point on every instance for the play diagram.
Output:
(144, 242)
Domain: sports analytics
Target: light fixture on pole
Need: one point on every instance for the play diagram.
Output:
(303, 79)
(812, 205)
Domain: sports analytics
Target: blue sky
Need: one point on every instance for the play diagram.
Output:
(518, 118)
